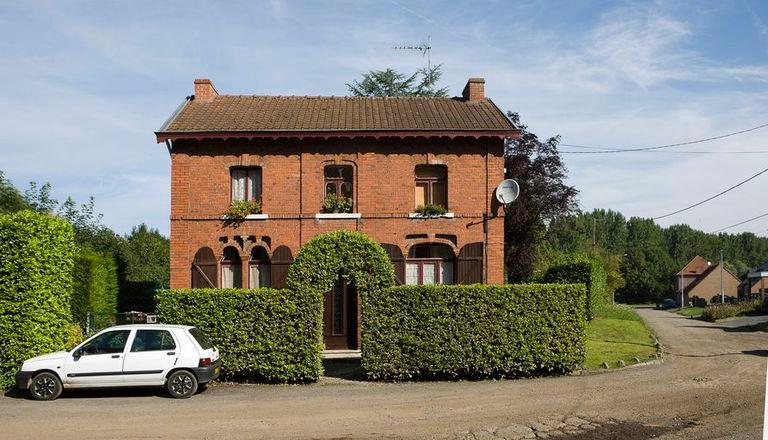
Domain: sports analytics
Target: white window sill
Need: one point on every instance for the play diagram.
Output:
(338, 216)
(249, 217)
(418, 216)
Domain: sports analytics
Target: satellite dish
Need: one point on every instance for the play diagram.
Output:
(507, 191)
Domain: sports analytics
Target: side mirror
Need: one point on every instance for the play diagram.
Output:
(77, 354)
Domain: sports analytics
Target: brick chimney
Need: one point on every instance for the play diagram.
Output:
(474, 90)
(204, 90)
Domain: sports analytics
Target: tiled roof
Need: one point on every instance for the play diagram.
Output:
(232, 113)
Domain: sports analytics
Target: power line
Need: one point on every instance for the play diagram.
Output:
(673, 152)
(741, 223)
(604, 150)
(713, 197)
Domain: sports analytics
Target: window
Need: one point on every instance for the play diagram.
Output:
(338, 180)
(246, 184)
(231, 269)
(259, 269)
(152, 340)
(429, 264)
(201, 338)
(106, 343)
(431, 185)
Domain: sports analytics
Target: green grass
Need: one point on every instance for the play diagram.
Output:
(618, 333)
(691, 311)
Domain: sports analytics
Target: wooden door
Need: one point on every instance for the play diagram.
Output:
(340, 317)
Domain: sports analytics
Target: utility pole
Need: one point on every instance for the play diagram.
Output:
(722, 292)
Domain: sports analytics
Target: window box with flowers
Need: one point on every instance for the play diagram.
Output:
(244, 210)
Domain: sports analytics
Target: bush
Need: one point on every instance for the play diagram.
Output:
(334, 203)
(239, 209)
(94, 289)
(430, 210)
(722, 311)
(586, 270)
(36, 252)
(263, 334)
(473, 331)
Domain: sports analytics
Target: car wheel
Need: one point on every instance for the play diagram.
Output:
(182, 384)
(45, 386)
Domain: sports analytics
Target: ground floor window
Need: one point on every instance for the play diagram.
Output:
(259, 269)
(231, 269)
(429, 264)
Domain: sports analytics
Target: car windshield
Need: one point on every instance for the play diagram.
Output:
(201, 338)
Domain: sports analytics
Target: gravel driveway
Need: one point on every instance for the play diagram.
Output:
(712, 385)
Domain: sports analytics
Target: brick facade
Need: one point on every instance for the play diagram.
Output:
(292, 181)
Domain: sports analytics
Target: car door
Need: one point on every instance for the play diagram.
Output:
(153, 352)
(98, 362)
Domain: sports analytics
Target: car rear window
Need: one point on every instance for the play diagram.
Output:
(201, 338)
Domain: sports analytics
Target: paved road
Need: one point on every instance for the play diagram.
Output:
(711, 387)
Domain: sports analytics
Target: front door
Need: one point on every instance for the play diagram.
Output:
(340, 317)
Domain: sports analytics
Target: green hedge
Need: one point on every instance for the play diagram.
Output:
(474, 331)
(586, 270)
(94, 289)
(36, 252)
(263, 334)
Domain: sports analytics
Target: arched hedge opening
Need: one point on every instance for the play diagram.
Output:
(351, 255)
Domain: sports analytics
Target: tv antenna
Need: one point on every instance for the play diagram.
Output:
(425, 48)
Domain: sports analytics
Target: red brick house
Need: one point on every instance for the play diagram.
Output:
(388, 155)
(700, 278)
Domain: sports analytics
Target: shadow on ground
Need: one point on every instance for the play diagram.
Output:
(99, 393)
(347, 369)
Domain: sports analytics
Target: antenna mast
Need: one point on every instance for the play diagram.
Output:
(425, 48)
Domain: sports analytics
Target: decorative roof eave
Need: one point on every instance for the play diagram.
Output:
(375, 134)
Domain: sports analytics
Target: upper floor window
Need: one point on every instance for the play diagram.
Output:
(246, 183)
(338, 180)
(431, 185)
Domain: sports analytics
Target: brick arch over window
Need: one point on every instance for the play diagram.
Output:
(204, 269)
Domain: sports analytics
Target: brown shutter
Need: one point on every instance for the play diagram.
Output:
(281, 259)
(204, 269)
(396, 256)
(469, 265)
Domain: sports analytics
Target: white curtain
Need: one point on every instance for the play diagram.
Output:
(446, 272)
(259, 276)
(411, 274)
(238, 184)
(228, 276)
(428, 277)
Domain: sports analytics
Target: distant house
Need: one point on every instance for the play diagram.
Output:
(755, 282)
(700, 278)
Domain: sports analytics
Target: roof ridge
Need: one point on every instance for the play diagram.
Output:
(423, 98)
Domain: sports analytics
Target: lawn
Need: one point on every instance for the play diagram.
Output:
(618, 333)
(691, 311)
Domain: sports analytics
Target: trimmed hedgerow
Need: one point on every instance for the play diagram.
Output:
(94, 289)
(36, 252)
(263, 334)
(352, 255)
(586, 270)
(721, 311)
(473, 331)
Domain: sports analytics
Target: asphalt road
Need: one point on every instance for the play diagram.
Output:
(711, 386)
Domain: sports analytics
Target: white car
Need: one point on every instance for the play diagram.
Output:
(175, 356)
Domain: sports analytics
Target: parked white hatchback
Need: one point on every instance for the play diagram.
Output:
(175, 356)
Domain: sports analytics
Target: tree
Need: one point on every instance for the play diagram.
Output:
(647, 267)
(389, 82)
(540, 172)
(146, 255)
(11, 199)
(40, 198)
